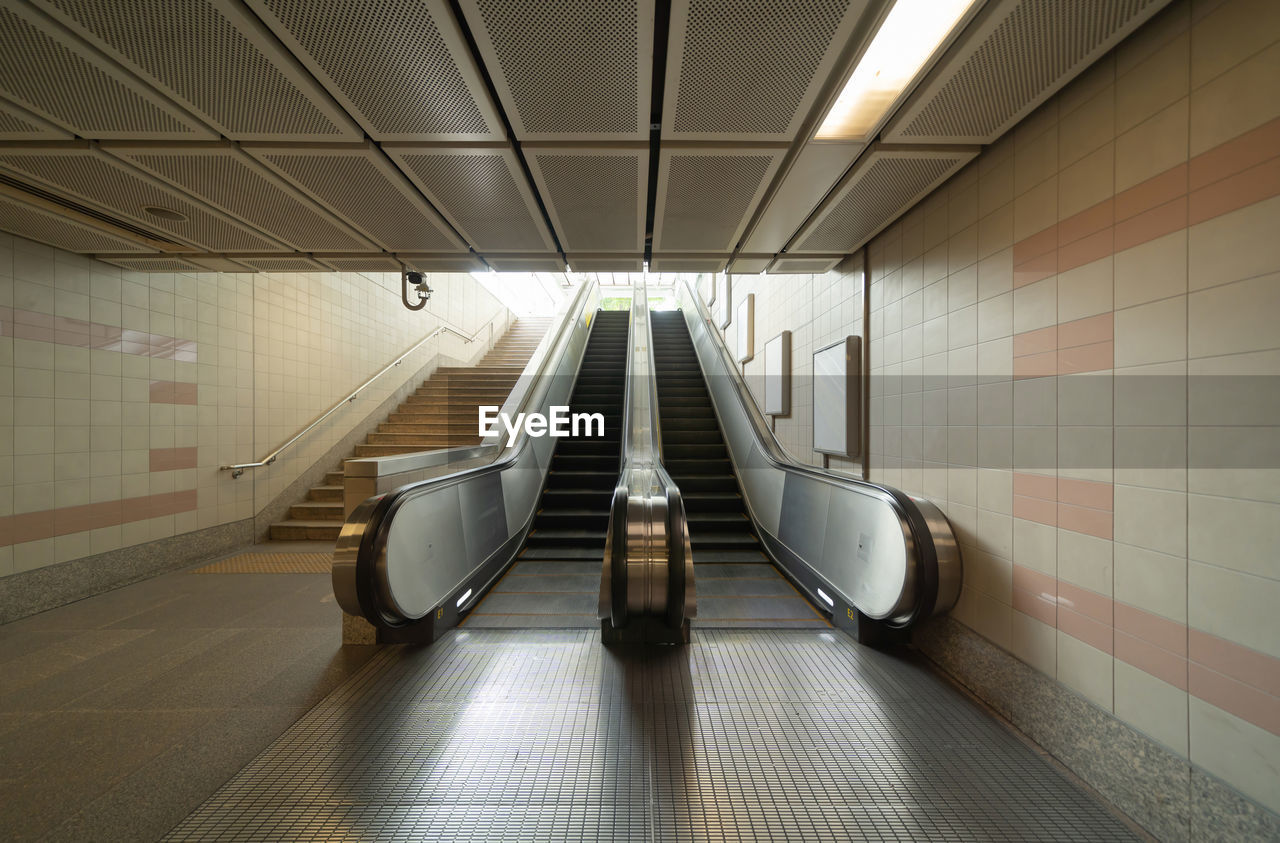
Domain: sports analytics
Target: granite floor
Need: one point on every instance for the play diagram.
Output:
(121, 713)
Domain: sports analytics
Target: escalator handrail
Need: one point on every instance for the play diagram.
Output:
(646, 458)
(906, 507)
(371, 521)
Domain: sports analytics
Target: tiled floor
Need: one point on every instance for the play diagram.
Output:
(742, 735)
(121, 713)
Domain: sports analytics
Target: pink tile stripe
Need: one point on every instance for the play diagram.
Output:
(170, 459)
(173, 392)
(1082, 506)
(1235, 678)
(34, 526)
(1228, 177)
(1076, 347)
(42, 327)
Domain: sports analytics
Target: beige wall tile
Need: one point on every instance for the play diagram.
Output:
(1152, 271)
(1240, 99)
(1154, 707)
(1234, 317)
(1085, 670)
(1034, 643)
(1241, 535)
(1152, 581)
(1233, 605)
(1229, 34)
(1236, 751)
(1086, 290)
(1151, 518)
(1151, 333)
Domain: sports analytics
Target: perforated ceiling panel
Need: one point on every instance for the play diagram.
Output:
(882, 185)
(1014, 56)
(811, 176)
(56, 75)
(96, 179)
(215, 59)
(750, 264)
(526, 263)
(174, 263)
(360, 186)
(443, 263)
(606, 263)
(285, 263)
(481, 192)
(19, 124)
(46, 227)
(750, 70)
(595, 197)
(706, 195)
(361, 263)
(400, 67)
(231, 181)
(804, 266)
(568, 69)
(687, 263)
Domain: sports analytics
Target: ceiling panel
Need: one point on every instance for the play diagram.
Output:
(749, 70)
(443, 263)
(48, 227)
(358, 184)
(360, 263)
(54, 74)
(606, 263)
(595, 196)
(785, 265)
(281, 263)
(687, 263)
(568, 69)
(174, 263)
(90, 176)
(707, 194)
(231, 181)
(1013, 57)
(214, 58)
(405, 73)
(526, 263)
(482, 192)
(814, 172)
(19, 124)
(750, 264)
(884, 183)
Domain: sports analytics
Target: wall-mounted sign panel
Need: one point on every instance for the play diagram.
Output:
(837, 398)
(746, 344)
(710, 295)
(723, 313)
(777, 375)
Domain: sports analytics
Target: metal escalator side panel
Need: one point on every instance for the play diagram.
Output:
(437, 543)
(891, 556)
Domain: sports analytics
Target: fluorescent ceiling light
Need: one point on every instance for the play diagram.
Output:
(910, 34)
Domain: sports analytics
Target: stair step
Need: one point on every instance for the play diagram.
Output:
(317, 511)
(325, 493)
(316, 531)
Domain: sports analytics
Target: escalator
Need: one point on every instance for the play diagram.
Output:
(556, 576)
(737, 582)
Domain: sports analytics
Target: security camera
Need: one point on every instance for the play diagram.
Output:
(415, 280)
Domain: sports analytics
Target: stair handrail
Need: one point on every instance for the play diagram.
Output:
(444, 327)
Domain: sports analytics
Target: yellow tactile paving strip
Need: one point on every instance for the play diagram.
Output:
(271, 563)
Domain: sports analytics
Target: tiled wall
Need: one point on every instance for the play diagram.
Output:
(121, 392)
(1076, 354)
(818, 310)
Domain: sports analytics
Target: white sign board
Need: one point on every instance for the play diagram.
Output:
(837, 398)
(777, 375)
(747, 329)
(723, 313)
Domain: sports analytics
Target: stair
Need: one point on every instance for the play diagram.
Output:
(442, 413)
